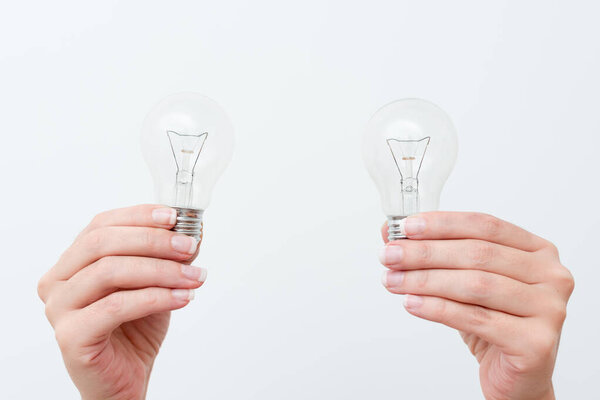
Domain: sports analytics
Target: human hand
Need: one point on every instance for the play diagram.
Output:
(110, 295)
(502, 287)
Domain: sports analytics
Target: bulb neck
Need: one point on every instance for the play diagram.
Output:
(396, 228)
(189, 222)
(410, 196)
(183, 188)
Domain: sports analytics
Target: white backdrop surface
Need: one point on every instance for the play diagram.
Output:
(293, 307)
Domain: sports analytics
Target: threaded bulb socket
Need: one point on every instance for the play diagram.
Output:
(189, 222)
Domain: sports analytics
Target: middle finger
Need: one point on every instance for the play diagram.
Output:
(123, 241)
(461, 254)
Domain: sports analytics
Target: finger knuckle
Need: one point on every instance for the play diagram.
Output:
(149, 239)
(567, 281)
(49, 309)
(559, 312)
(440, 312)
(106, 270)
(164, 267)
(130, 266)
(479, 286)
(551, 248)
(480, 253)
(42, 287)
(479, 316)
(563, 279)
(149, 299)
(570, 285)
(421, 279)
(490, 225)
(113, 303)
(94, 240)
(424, 252)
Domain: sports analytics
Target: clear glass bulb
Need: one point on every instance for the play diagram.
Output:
(187, 141)
(409, 148)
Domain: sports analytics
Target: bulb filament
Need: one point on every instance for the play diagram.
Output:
(186, 151)
(408, 156)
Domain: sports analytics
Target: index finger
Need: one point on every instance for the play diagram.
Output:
(148, 215)
(469, 225)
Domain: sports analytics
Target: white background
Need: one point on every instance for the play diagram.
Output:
(293, 307)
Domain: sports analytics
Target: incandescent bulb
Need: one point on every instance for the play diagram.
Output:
(409, 149)
(187, 141)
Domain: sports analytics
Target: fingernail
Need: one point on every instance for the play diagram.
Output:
(195, 273)
(389, 255)
(414, 225)
(164, 216)
(412, 302)
(184, 244)
(182, 294)
(393, 279)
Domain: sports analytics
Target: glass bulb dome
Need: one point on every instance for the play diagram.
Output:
(409, 149)
(187, 141)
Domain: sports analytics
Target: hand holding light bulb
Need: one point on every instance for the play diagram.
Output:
(110, 295)
(503, 288)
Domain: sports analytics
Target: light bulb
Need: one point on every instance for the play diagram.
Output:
(187, 141)
(409, 149)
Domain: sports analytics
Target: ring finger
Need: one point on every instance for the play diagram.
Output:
(123, 241)
(480, 288)
(110, 274)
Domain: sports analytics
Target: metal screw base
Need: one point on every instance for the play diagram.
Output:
(396, 228)
(189, 222)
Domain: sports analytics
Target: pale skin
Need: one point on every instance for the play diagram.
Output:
(503, 288)
(110, 295)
